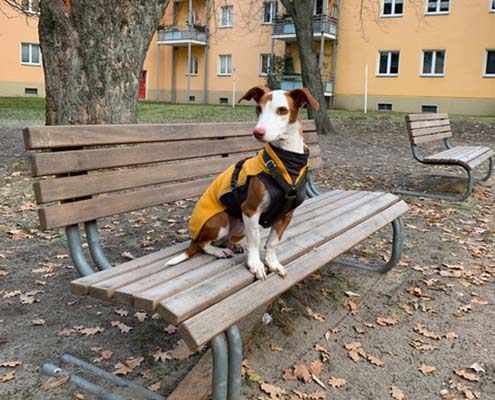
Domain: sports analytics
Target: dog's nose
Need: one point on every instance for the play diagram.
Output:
(259, 132)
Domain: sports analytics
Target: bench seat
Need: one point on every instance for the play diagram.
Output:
(471, 156)
(202, 287)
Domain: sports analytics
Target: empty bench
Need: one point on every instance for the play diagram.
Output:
(431, 128)
(85, 173)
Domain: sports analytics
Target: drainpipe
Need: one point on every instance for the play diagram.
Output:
(207, 32)
(189, 72)
(174, 91)
(157, 70)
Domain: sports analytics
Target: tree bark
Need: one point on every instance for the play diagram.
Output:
(93, 55)
(301, 12)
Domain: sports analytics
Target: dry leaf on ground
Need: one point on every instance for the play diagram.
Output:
(325, 354)
(470, 376)
(336, 382)
(104, 355)
(396, 393)
(141, 316)
(274, 392)
(122, 327)
(159, 355)
(169, 328)
(155, 387)
(315, 315)
(386, 321)
(54, 382)
(10, 364)
(426, 369)
(7, 377)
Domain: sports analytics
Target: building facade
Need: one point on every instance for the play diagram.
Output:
(399, 55)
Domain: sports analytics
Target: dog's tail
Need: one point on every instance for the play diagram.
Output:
(191, 250)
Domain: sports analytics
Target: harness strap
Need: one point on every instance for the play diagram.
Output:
(233, 181)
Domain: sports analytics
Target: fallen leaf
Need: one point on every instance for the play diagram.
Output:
(470, 376)
(147, 374)
(276, 348)
(274, 392)
(155, 387)
(169, 328)
(325, 354)
(451, 336)
(128, 255)
(89, 331)
(337, 382)
(375, 360)
(79, 396)
(38, 322)
(54, 382)
(3, 272)
(11, 364)
(121, 326)
(159, 355)
(352, 294)
(315, 315)
(121, 312)
(181, 351)
(122, 369)
(352, 306)
(141, 316)
(422, 330)
(385, 321)
(315, 367)
(7, 377)
(426, 369)
(302, 373)
(104, 355)
(477, 367)
(134, 362)
(396, 393)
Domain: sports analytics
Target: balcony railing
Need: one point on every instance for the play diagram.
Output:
(291, 82)
(284, 27)
(182, 34)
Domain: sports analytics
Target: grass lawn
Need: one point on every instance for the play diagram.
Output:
(20, 112)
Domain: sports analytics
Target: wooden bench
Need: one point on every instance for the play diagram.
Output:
(91, 172)
(428, 128)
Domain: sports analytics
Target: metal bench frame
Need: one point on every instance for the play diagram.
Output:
(226, 347)
(471, 178)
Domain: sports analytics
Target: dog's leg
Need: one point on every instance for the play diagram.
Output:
(256, 201)
(274, 238)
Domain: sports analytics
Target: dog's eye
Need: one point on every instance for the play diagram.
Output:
(282, 110)
(258, 110)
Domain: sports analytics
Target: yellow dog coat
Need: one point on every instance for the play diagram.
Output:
(292, 167)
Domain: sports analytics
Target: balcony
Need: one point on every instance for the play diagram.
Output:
(284, 29)
(291, 82)
(175, 35)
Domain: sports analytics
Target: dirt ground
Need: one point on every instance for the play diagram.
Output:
(422, 331)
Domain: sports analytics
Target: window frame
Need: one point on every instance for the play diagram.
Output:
(433, 63)
(226, 7)
(384, 104)
(491, 6)
(393, 15)
(30, 54)
(485, 65)
(260, 72)
(389, 63)
(29, 9)
(219, 70)
(194, 63)
(273, 11)
(429, 105)
(437, 11)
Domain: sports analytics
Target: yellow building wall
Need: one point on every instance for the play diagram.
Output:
(465, 34)
(15, 29)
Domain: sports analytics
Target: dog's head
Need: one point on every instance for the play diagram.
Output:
(277, 109)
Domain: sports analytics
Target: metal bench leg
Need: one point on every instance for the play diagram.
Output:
(220, 367)
(76, 251)
(489, 173)
(94, 245)
(397, 242)
(461, 197)
(311, 189)
(235, 362)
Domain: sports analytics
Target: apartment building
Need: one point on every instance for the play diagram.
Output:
(406, 55)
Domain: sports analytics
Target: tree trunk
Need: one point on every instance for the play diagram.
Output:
(93, 55)
(301, 12)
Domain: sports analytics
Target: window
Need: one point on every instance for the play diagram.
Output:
(492, 5)
(192, 98)
(438, 7)
(193, 69)
(31, 6)
(224, 100)
(490, 63)
(30, 92)
(225, 65)
(384, 107)
(30, 54)
(427, 108)
(264, 64)
(269, 11)
(388, 63)
(319, 7)
(433, 62)
(393, 7)
(226, 16)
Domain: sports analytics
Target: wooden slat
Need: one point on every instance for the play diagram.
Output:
(430, 138)
(485, 156)
(217, 318)
(81, 286)
(432, 130)
(104, 283)
(427, 124)
(160, 289)
(88, 160)
(104, 206)
(426, 116)
(56, 137)
(450, 153)
(463, 154)
(300, 239)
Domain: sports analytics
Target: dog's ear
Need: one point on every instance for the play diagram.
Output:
(255, 93)
(302, 97)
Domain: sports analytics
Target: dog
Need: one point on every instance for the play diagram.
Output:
(264, 189)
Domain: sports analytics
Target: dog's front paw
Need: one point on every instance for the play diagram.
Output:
(257, 268)
(238, 248)
(276, 267)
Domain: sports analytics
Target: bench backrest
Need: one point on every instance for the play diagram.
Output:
(424, 128)
(89, 172)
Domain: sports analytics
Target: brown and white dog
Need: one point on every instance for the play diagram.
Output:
(278, 124)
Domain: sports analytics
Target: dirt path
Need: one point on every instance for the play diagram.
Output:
(435, 310)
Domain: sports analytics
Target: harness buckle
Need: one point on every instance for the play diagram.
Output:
(270, 165)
